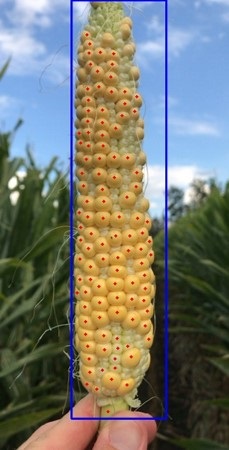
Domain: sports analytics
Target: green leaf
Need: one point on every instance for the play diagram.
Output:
(15, 425)
(205, 288)
(219, 349)
(45, 351)
(11, 300)
(199, 444)
(4, 68)
(221, 402)
(221, 363)
(14, 409)
(46, 242)
(7, 264)
(215, 267)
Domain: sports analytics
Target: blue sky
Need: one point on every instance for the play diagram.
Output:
(36, 86)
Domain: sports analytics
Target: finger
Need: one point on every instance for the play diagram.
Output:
(126, 434)
(42, 429)
(67, 433)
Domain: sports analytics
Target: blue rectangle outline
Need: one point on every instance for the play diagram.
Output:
(71, 240)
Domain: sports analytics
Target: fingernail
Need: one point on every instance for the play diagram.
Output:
(125, 435)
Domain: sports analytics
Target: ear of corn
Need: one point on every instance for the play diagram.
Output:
(114, 282)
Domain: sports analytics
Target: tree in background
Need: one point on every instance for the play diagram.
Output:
(176, 206)
(199, 191)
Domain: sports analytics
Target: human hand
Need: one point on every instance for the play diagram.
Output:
(79, 434)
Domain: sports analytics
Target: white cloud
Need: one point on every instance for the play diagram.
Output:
(30, 13)
(183, 175)
(20, 38)
(39, 13)
(218, 2)
(30, 55)
(179, 39)
(225, 17)
(223, 4)
(182, 126)
(7, 103)
(172, 101)
(180, 176)
(155, 25)
(151, 49)
(19, 43)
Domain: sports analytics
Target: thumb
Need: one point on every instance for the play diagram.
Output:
(126, 434)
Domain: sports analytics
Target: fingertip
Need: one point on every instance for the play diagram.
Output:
(86, 407)
(135, 433)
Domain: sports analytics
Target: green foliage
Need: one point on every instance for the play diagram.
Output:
(199, 323)
(200, 444)
(4, 68)
(34, 297)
